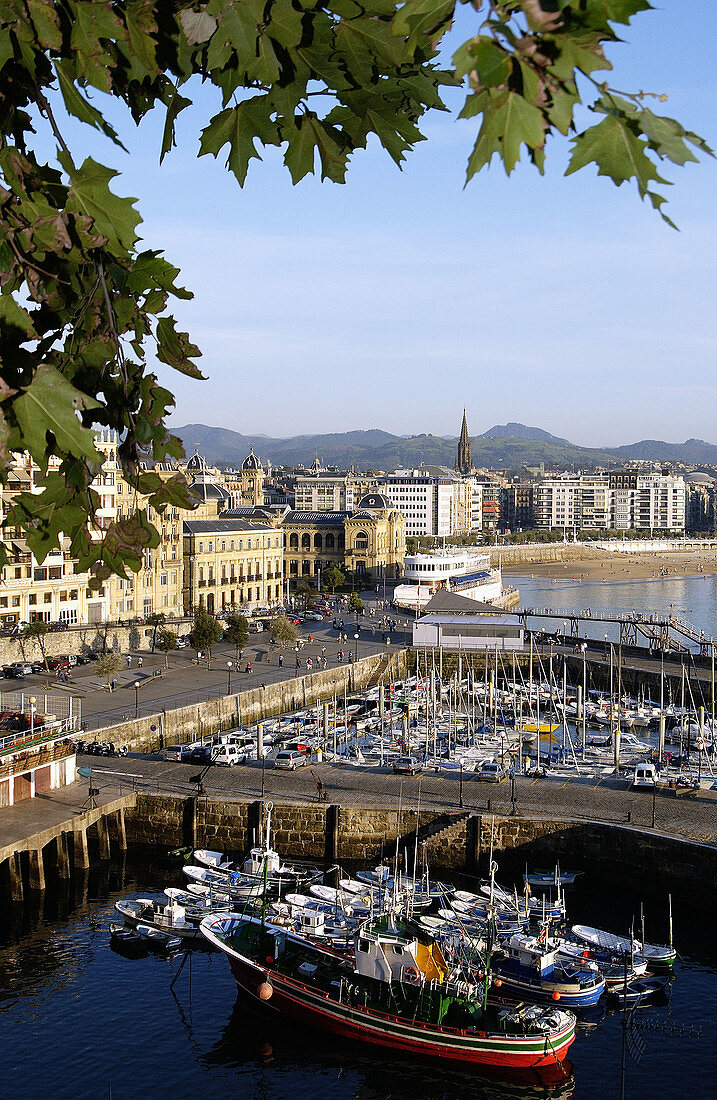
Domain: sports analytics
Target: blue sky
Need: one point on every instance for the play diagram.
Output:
(400, 297)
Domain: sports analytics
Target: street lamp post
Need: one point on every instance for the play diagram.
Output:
(229, 677)
(460, 786)
(33, 704)
(356, 638)
(136, 698)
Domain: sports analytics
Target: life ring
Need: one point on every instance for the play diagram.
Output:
(411, 975)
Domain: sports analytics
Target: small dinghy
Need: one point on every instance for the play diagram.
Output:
(654, 954)
(640, 991)
(126, 940)
(156, 940)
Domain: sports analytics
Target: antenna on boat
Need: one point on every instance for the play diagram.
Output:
(669, 911)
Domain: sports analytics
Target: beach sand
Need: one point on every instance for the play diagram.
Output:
(617, 566)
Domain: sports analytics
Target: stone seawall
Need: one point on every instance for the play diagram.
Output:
(452, 842)
(229, 711)
(550, 551)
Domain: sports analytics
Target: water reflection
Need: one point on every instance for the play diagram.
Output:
(251, 1038)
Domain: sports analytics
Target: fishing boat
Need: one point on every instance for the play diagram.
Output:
(165, 916)
(530, 967)
(395, 989)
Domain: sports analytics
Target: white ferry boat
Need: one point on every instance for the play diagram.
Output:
(463, 571)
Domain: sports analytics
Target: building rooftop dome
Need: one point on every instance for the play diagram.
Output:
(251, 462)
(196, 462)
(375, 500)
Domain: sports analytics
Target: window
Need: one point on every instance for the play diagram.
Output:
(39, 574)
(201, 547)
(32, 599)
(47, 598)
(248, 544)
(224, 545)
(74, 592)
(162, 578)
(211, 546)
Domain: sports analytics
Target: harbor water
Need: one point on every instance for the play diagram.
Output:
(79, 1020)
(693, 599)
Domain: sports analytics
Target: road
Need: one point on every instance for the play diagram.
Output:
(186, 680)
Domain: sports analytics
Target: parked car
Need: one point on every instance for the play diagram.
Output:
(491, 772)
(200, 754)
(314, 616)
(290, 760)
(13, 672)
(255, 626)
(407, 765)
(293, 619)
(229, 755)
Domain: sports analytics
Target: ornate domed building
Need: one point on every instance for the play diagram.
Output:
(252, 481)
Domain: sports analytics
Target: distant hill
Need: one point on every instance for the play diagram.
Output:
(522, 431)
(692, 450)
(375, 449)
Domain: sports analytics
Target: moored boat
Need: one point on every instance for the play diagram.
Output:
(660, 955)
(395, 990)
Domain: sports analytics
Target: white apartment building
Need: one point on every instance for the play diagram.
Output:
(434, 500)
(625, 500)
(329, 493)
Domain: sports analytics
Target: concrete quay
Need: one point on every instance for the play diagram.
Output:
(152, 803)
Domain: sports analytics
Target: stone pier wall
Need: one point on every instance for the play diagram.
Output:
(310, 831)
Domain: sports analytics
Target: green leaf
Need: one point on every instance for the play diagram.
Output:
(114, 217)
(80, 107)
(417, 19)
(13, 315)
(50, 405)
(286, 24)
(47, 26)
(491, 64)
(299, 155)
(141, 26)
(508, 122)
(175, 104)
(239, 127)
(175, 348)
(94, 23)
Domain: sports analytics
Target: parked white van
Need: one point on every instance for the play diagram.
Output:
(229, 755)
(645, 776)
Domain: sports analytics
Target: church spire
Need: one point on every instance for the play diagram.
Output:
(464, 462)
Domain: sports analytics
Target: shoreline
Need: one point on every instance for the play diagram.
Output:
(607, 566)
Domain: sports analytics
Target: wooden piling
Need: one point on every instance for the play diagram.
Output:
(36, 869)
(81, 856)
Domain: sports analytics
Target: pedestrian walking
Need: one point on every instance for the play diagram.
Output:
(298, 663)
(281, 660)
(140, 662)
(129, 660)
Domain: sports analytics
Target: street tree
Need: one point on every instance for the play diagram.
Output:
(166, 642)
(37, 632)
(236, 632)
(155, 620)
(283, 631)
(108, 665)
(356, 604)
(84, 309)
(205, 634)
(333, 578)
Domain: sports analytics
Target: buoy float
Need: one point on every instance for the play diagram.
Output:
(498, 982)
(556, 995)
(265, 991)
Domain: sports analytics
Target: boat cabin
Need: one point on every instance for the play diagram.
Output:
(254, 863)
(387, 952)
(528, 951)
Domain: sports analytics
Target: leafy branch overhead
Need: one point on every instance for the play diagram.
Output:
(82, 307)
